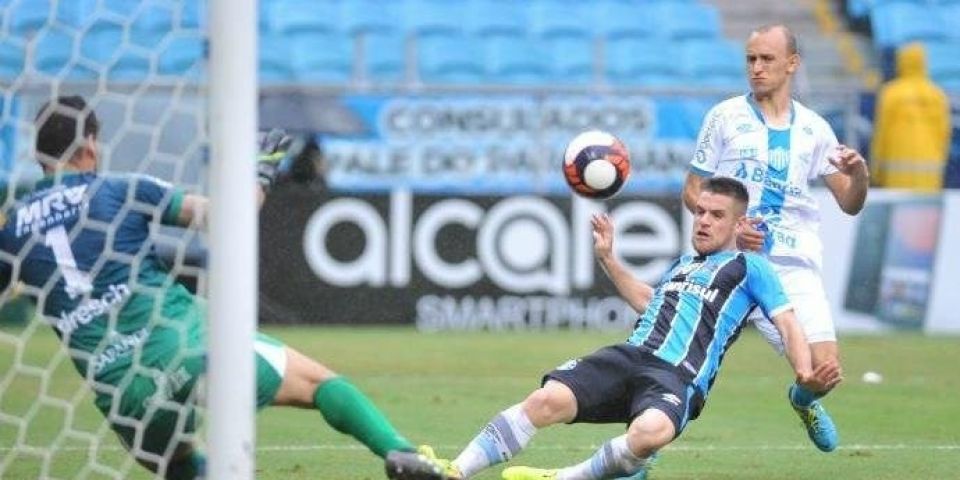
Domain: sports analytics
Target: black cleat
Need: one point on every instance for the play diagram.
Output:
(414, 466)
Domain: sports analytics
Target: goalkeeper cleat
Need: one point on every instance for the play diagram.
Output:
(419, 465)
(820, 427)
(529, 473)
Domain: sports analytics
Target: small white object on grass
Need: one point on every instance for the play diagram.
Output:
(872, 377)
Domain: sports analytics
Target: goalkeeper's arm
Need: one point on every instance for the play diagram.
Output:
(279, 151)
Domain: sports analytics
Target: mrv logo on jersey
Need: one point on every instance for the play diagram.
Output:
(50, 209)
(521, 244)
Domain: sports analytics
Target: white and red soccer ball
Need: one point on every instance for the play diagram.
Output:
(596, 164)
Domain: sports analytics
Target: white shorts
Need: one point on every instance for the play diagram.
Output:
(804, 288)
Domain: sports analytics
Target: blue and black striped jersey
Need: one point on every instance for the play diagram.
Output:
(700, 306)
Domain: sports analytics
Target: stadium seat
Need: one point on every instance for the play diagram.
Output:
(943, 59)
(101, 41)
(11, 60)
(24, 19)
(516, 61)
(53, 50)
(322, 58)
(384, 58)
(121, 7)
(274, 68)
(951, 16)
(304, 16)
(369, 16)
(150, 25)
(453, 59)
(715, 63)
(571, 61)
(562, 18)
(626, 19)
(496, 18)
(424, 18)
(182, 55)
(682, 20)
(897, 23)
(639, 62)
(193, 15)
(129, 67)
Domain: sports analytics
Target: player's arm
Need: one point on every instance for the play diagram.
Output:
(635, 292)
(850, 182)
(705, 159)
(826, 376)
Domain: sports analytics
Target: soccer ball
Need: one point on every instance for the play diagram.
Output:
(596, 164)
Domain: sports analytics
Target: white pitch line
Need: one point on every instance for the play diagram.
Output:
(676, 448)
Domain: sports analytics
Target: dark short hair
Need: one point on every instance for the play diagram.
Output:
(58, 130)
(729, 187)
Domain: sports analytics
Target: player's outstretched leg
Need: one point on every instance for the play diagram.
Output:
(820, 427)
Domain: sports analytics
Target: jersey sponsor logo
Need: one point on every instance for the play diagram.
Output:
(707, 294)
(671, 398)
(50, 209)
(90, 309)
(778, 158)
(119, 346)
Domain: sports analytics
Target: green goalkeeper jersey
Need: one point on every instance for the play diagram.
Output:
(82, 241)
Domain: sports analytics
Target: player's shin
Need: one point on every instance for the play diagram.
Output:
(613, 459)
(500, 440)
(349, 411)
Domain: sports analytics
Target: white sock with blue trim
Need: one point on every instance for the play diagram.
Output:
(612, 460)
(508, 433)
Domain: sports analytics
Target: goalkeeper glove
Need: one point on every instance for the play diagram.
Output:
(283, 155)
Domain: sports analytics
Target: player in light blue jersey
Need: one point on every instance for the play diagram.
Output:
(659, 379)
(80, 242)
(776, 147)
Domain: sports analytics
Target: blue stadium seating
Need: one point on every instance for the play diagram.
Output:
(129, 67)
(516, 61)
(623, 19)
(101, 41)
(492, 18)
(193, 14)
(122, 7)
(943, 60)
(639, 62)
(452, 59)
(715, 63)
(571, 61)
(897, 23)
(273, 67)
(52, 52)
(11, 60)
(181, 55)
(150, 25)
(296, 16)
(322, 58)
(25, 18)
(369, 16)
(384, 57)
(562, 18)
(424, 18)
(682, 20)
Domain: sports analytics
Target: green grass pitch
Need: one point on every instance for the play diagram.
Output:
(441, 388)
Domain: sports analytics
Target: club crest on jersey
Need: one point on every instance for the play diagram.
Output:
(778, 158)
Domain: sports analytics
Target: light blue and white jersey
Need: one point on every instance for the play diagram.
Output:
(776, 165)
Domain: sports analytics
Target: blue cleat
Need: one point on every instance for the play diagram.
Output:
(820, 427)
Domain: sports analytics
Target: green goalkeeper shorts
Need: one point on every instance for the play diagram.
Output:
(156, 410)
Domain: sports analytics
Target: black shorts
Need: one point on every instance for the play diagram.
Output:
(617, 383)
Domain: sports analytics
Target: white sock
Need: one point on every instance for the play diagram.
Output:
(613, 460)
(498, 442)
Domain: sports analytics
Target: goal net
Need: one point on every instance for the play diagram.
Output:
(142, 67)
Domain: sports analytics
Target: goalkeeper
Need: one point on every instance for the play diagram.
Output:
(79, 242)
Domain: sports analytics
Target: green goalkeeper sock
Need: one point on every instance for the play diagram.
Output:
(349, 411)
